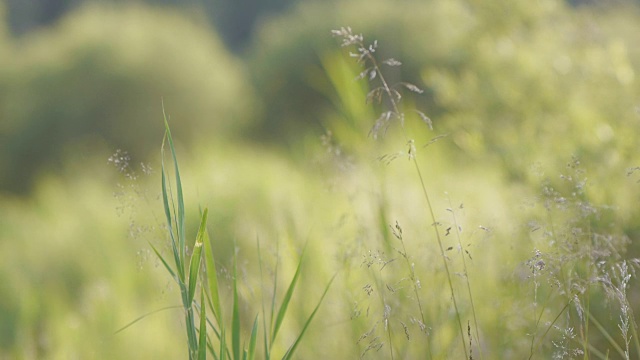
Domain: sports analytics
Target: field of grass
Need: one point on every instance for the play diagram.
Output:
(382, 239)
(546, 269)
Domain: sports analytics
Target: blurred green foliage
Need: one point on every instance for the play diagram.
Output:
(489, 79)
(99, 77)
(535, 85)
(235, 20)
(518, 86)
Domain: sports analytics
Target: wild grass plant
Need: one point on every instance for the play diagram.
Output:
(583, 259)
(417, 279)
(391, 94)
(209, 329)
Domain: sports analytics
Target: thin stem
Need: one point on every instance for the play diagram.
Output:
(550, 326)
(466, 276)
(394, 105)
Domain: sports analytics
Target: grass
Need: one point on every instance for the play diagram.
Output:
(400, 310)
(186, 272)
(391, 93)
(343, 256)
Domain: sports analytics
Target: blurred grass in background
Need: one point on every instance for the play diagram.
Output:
(273, 139)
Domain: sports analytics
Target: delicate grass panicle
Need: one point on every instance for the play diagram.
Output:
(414, 295)
(581, 259)
(577, 257)
(129, 194)
(391, 94)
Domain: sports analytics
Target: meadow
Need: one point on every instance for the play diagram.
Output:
(472, 196)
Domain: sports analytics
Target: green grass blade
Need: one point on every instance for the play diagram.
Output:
(293, 347)
(253, 340)
(166, 265)
(286, 300)
(202, 343)
(223, 344)
(192, 337)
(167, 211)
(272, 311)
(235, 320)
(196, 257)
(265, 334)
(607, 336)
(146, 315)
(180, 215)
(212, 279)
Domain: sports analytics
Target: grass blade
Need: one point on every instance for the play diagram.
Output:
(286, 300)
(145, 315)
(196, 257)
(180, 215)
(253, 340)
(293, 347)
(202, 343)
(167, 211)
(223, 344)
(235, 321)
(607, 336)
(212, 279)
(265, 329)
(166, 265)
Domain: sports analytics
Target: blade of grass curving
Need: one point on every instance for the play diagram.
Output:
(223, 344)
(287, 299)
(166, 265)
(208, 342)
(167, 211)
(607, 336)
(275, 289)
(192, 335)
(212, 279)
(265, 333)
(211, 324)
(253, 340)
(196, 257)
(202, 343)
(145, 315)
(593, 352)
(539, 344)
(293, 347)
(180, 215)
(235, 319)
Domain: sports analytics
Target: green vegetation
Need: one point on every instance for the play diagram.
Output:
(473, 194)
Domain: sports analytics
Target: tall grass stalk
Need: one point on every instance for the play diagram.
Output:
(192, 273)
(176, 220)
(466, 278)
(365, 55)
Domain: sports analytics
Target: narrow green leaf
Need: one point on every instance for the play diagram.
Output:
(235, 321)
(223, 344)
(167, 211)
(180, 215)
(286, 300)
(145, 315)
(192, 337)
(212, 279)
(202, 343)
(196, 257)
(293, 347)
(265, 334)
(253, 340)
(166, 265)
(213, 326)
(607, 336)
